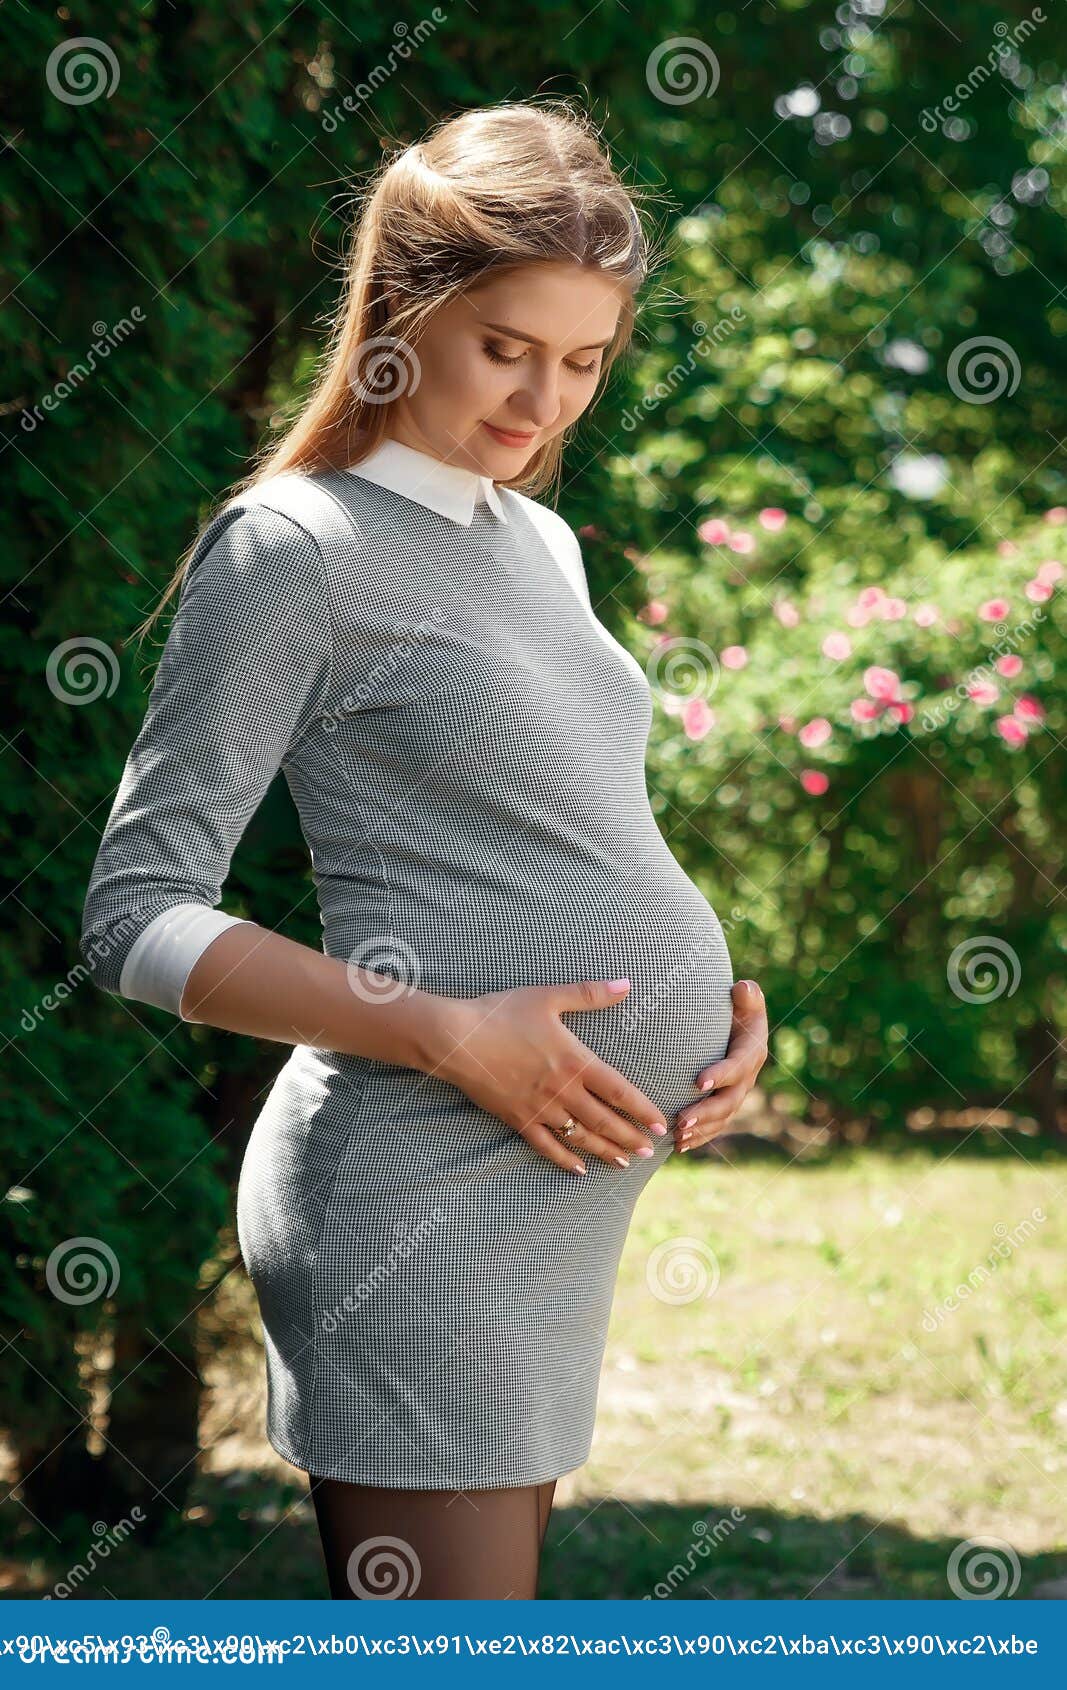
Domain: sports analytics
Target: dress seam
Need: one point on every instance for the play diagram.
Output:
(314, 1266)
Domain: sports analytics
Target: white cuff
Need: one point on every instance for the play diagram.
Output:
(161, 958)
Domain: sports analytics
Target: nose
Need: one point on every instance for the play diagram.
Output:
(538, 399)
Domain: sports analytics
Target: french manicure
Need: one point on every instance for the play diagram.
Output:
(645, 1150)
(578, 1168)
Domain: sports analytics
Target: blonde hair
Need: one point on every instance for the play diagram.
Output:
(486, 192)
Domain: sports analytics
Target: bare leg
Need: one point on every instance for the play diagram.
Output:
(386, 1544)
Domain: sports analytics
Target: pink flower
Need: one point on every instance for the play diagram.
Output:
(787, 613)
(1028, 709)
(742, 541)
(787, 724)
(1007, 548)
(926, 615)
(837, 646)
(1009, 666)
(654, 612)
(697, 719)
(882, 684)
(1057, 514)
(713, 532)
(814, 782)
(892, 610)
(901, 710)
(815, 733)
(772, 519)
(733, 657)
(865, 709)
(1049, 571)
(589, 531)
(857, 617)
(1038, 591)
(1010, 731)
(994, 610)
(983, 692)
(870, 597)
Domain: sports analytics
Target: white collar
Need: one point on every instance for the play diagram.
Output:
(449, 489)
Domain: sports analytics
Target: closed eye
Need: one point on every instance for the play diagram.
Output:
(499, 358)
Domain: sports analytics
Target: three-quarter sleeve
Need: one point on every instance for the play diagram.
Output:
(245, 669)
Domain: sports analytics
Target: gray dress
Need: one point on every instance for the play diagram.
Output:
(465, 745)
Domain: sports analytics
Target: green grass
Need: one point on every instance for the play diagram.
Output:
(856, 1446)
(775, 1419)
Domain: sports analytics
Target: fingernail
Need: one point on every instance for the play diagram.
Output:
(687, 1121)
(578, 1168)
(621, 1160)
(645, 1150)
(618, 985)
(657, 1127)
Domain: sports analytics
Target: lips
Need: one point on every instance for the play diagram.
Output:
(507, 436)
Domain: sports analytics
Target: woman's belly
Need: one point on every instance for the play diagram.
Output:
(676, 1017)
(653, 927)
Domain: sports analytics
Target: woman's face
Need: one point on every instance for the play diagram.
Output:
(503, 368)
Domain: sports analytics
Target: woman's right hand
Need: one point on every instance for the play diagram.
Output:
(513, 1056)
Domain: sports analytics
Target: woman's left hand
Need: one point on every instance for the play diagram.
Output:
(733, 1077)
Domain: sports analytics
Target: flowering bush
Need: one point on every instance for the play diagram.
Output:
(871, 775)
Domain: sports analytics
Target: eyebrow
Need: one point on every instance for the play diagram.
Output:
(517, 334)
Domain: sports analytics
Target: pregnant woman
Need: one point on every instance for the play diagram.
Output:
(519, 990)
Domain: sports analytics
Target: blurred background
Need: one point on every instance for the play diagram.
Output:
(824, 500)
